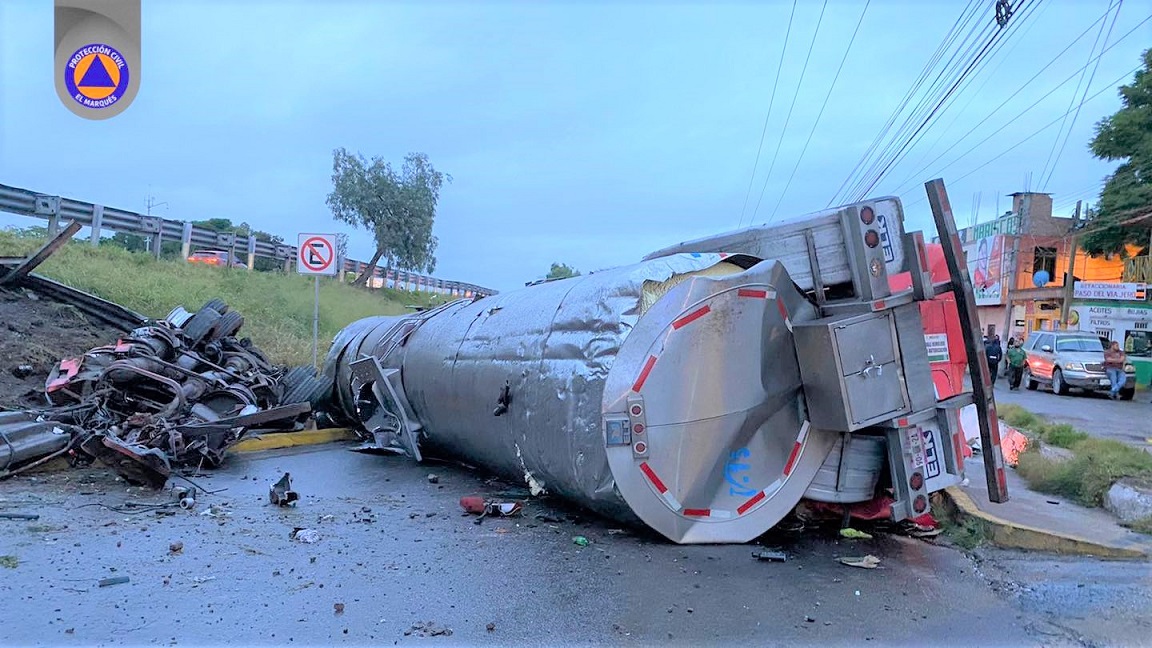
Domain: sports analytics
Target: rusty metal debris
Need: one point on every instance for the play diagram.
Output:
(174, 392)
(281, 493)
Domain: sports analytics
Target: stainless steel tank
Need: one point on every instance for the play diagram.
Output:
(667, 391)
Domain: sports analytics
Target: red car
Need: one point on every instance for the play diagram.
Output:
(215, 258)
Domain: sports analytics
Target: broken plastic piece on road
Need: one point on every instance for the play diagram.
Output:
(307, 536)
(491, 627)
(176, 547)
(281, 493)
(770, 556)
(580, 541)
(115, 580)
(429, 629)
(338, 608)
(433, 478)
(865, 562)
(854, 534)
(477, 505)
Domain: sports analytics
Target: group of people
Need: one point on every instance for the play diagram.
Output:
(1015, 356)
(1114, 361)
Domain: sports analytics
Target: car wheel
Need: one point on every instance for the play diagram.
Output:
(1058, 384)
(1127, 394)
(1029, 381)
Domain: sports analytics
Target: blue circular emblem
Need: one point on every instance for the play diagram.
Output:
(96, 76)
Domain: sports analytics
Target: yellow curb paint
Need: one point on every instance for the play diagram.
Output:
(1019, 536)
(292, 439)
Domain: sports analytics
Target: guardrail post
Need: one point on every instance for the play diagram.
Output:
(186, 242)
(251, 253)
(97, 222)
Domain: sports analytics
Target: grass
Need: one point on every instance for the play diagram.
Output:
(1095, 464)
(11, 562)
(277, 307)
(1143, 525)
(1056, 434)
(967, 533)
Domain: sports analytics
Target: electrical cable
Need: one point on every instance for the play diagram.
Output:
(820, 114)
(771, 100)
(1046, 179)
(788, 118)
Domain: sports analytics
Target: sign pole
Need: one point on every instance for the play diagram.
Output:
(316, 255)
(316, 322)
(1069, 275)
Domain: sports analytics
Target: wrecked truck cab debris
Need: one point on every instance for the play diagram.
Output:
(173, 392)
(699, 392)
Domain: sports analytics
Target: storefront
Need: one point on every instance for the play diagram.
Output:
(1123, 321)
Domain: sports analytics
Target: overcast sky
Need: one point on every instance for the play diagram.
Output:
(588, 133)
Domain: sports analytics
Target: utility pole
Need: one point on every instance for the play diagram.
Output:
(1069, 276)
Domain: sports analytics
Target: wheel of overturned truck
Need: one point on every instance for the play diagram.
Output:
(200, 325)
(228, 325)
(1059, 387)
(216, 304)
(1029, 381)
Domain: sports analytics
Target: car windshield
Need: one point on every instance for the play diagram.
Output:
(1079, 344)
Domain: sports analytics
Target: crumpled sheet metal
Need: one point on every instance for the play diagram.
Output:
(553, 344)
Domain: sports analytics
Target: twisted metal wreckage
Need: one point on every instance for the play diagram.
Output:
(174, 392)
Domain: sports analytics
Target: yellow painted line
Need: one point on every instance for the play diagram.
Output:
(1020, 536)
(292, 439)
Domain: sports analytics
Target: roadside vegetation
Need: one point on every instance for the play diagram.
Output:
(277, 307)
(1085, 476)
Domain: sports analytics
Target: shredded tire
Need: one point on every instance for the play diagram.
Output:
(200, 325)
(228, 326)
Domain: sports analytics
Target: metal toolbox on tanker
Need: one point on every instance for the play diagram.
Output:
(851, 370)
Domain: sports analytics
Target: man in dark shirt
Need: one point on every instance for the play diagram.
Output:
(993, 353)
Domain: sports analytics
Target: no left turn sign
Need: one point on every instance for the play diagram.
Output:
(316, 254)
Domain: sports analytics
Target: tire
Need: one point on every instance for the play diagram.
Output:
(216, 304)
(200, 325)
(1059, 387)
(299, 384)
(1127, 394)
(1029, 382)
(228, 325)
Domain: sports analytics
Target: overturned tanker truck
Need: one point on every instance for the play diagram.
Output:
(703, 393)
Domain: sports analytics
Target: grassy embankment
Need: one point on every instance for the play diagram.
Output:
(1094, 466)
(277, 308)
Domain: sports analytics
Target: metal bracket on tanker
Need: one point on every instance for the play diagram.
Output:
(703, 392)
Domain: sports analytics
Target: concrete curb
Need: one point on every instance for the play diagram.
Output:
(1003, 533)
(292, 439)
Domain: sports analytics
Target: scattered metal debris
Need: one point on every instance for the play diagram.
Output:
(19, 516)
(176, 548)
(770, 555)
(864, 562)
(115, 580)
(338, 608)
(281, 493)
(307, 536)
(433, 478)
(477, 505)
(174, 392)
(429, 629)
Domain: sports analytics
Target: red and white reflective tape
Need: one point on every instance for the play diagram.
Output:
(647, 369)
(691, 317)
(784, 312)
(796, 448)
(712, 514)
(660, 487)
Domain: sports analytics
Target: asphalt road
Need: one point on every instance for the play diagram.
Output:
(397, 551)
(1095, 413)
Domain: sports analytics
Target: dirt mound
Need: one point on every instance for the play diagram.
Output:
(37, 332)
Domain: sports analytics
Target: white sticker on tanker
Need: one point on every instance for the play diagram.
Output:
(937, 344)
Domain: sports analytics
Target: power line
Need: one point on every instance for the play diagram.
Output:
(788, 118)
(979, 57)
(875, 152)
(821, 112)
(945, 151)
(1038, 131)
(771, 100)
(1042, 98)
(1056, 161)
(965, 15)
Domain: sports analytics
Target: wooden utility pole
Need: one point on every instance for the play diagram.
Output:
(1069, 275)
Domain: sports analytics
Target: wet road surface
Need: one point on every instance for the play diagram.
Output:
(397, 551)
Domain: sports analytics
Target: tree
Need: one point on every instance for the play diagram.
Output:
(398, 208)
(1127, 194)
(562, 271)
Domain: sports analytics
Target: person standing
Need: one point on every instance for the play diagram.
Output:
(993, 353)
(1016, 358)
(1114, 361)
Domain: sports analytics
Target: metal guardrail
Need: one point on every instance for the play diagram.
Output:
(25, 202)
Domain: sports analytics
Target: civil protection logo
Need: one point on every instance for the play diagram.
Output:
(96, 76)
